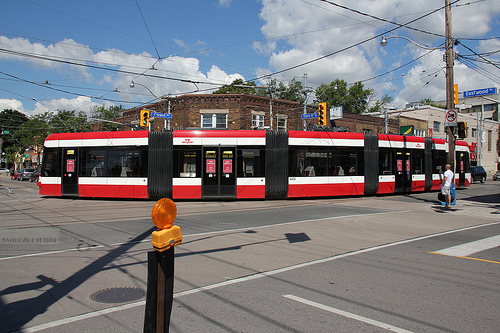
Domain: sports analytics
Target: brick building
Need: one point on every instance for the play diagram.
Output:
(232, 111)
(241, 111)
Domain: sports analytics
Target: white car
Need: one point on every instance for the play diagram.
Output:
(4, 170)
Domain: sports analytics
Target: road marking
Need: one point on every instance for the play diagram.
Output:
(478, 259)
(202, 234)
(465, 250)
(348, 314)
(242, 279)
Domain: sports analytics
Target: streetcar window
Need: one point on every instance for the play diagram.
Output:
(417, 163)
(251, 162)
(93, 162)
(385, 160)
(51, 164)
(439, 158)
(125, 162)
(187, 162)
(315, 161)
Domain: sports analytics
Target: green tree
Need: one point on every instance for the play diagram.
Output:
(70, 121)
(234, 88)
(291, 91)
(107, 117)
(352, 99)
(10, 121)
(381, 103)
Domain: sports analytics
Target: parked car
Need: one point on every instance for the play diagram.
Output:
(478, 173)
(4, 170)
(34, 176)
(24, 174)
(496, 175)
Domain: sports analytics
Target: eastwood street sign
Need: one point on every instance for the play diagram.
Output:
(480, 92)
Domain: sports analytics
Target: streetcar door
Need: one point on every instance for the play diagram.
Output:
(219, 167)
(403, 171)
(69, 181)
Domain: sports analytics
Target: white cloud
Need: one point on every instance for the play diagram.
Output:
(13, 104)
(313, 30)
(81, 103)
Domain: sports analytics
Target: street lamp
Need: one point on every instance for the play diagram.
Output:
(383, 43)
(166, 122)
(132, 85)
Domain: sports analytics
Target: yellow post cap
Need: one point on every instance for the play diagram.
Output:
(164, 213)
(163, 240)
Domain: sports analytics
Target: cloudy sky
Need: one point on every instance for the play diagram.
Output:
(74, 55)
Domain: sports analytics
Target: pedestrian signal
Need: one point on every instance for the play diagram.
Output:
(144, 122)
(322, 114)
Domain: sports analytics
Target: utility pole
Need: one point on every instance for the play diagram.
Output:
(450, 104)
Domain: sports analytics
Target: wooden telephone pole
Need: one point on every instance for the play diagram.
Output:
(450, 104)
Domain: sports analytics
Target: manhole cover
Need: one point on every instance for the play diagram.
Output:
(117, 295)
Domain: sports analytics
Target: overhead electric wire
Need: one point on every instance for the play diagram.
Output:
(399, 26)
(147, 28)
(392, 22)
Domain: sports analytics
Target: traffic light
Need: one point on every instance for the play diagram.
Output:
(322, 114)
(144, 121)
(462, 129)
(455, 94)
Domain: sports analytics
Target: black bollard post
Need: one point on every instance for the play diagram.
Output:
(160, 284)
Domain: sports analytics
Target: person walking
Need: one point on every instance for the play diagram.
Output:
(446, 187)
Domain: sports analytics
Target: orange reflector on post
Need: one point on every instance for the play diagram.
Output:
(164, 213)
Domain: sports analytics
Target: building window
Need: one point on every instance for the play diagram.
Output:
(420, 133)
(257, 121)
(490, 137)
(437, 125)
(474, 132)
(281, 124)
(214, 120)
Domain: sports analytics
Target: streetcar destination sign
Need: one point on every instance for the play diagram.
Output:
(480, 92)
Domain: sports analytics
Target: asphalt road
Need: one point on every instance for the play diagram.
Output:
(338, 265)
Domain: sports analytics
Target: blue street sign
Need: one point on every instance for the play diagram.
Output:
(480, 92)
(161, 115)
(310, 115)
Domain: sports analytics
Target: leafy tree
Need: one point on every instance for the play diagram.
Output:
(106, 117)
(381, 103)
(69, 121)
(10, 120)
(427, 101)
(353, 99)
(292, 91)
(234, 88)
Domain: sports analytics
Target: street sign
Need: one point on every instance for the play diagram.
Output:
(310, 115)
(480, 92)
(161, 115)
(450, 118)
(336, 112)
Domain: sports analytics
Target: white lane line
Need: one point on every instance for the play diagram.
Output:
(348, 314)
(246, 278)
(202, 234)
(80, 317)
(465, 250)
